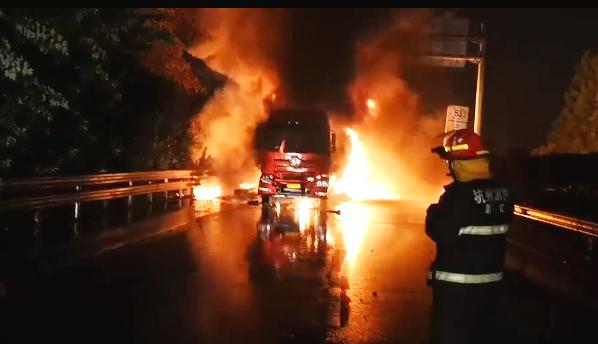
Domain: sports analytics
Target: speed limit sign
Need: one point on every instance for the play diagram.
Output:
(456, 117)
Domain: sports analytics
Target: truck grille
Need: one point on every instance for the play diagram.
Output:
(280, 164)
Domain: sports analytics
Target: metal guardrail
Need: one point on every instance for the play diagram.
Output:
(106, 186)
(72, 190)
(567, 222)
(96, 179)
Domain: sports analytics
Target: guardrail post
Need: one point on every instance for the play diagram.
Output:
(150, 201)
(130, 206)
(150, 196)
(104, 217)
(149, 209)
(165, 196)
(195, 181)
(589, 248)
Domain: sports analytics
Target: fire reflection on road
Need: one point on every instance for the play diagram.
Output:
(292, 255)
(353, 219)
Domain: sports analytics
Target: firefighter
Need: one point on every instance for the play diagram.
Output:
(468, 225)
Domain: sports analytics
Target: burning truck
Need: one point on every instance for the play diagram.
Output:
(294, 149)
(294, 153)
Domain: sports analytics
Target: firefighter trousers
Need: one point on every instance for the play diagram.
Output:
(466, 313)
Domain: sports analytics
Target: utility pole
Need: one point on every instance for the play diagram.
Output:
(479, 94)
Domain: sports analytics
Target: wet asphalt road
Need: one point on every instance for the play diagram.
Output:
(215, 281)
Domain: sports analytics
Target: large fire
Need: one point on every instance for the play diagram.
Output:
(213, 190)
(248, 186)
(388, 139)
(391, 134)
(357, 181)
(207, 192)
(240, 44)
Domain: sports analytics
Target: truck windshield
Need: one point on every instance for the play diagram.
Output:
(299, 139)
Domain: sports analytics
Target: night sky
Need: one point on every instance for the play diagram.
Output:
(531, 57)
(321, 50)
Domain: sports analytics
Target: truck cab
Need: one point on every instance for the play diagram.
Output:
(294, 149)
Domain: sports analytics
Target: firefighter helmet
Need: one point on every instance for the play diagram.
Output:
(462, 144)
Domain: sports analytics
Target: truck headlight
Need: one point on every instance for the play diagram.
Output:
(266, 179)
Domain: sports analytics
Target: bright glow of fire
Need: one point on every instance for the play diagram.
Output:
(372, 106)
(247, 186)
(303, 212)
(356, 180)
(354, 217)
(207, 192)
(242, 45)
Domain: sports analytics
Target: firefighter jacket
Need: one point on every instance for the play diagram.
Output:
(469, 225)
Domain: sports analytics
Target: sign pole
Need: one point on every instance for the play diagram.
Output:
(479, 94)
(448, 48)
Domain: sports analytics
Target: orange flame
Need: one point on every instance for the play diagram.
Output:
(207, 192)
(247, 186)
(390, 148)
(357, 180)
(304, 212)
(372, 106)
(241, 44)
